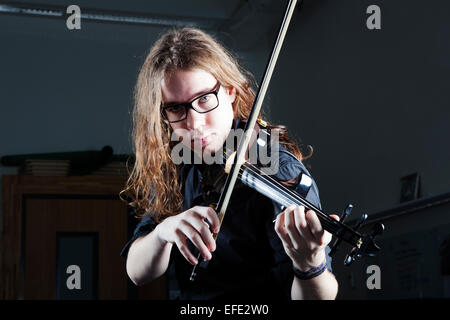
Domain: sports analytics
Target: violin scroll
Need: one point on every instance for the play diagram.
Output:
(366, 244)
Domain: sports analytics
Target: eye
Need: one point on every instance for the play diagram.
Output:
(205, 98)
(174, 109)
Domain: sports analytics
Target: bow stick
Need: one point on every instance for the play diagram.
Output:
(225, 195)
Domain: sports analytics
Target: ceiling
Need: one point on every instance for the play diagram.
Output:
(245, 21)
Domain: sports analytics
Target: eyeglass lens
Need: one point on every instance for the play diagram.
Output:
(202, 104)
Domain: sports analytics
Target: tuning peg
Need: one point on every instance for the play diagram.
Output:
(351, 257)
(346, 213)
(377, 229)
(361, 220)
(348, 260)
(343, 216)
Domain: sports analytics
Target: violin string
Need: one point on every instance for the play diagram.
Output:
(281, 188)
(330, 227)
(276, 184)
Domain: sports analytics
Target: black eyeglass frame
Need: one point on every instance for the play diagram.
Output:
(188, 105)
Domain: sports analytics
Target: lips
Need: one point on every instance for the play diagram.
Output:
(203, 140)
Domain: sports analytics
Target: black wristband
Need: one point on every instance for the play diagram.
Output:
(312, 273)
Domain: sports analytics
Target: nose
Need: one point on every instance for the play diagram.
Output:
(194, 119)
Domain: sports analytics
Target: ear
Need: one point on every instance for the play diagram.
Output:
(231, 92)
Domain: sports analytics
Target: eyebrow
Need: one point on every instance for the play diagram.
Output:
(193, 97)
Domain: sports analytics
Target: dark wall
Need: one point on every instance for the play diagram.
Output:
(374, 104)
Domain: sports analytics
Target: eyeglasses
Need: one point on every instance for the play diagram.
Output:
(205, 103)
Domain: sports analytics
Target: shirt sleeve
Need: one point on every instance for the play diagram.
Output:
(144, 227)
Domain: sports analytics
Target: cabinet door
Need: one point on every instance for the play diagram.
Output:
(67, 229)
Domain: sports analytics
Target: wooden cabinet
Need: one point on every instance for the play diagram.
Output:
(38, 212)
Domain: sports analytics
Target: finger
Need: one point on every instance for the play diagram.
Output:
(292, 231)
(203, 229)
(302, 226)
(281, 231)
(180, 241)
(192, 234)
(315, 226)
(327, 237)
(335, 217)
(211, 215)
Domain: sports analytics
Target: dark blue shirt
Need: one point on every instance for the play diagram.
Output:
(249, 261)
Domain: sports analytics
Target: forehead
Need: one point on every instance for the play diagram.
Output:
(183, 85)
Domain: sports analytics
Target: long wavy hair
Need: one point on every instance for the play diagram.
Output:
(153, 186)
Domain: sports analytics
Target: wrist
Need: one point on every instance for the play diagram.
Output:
(159, 234)
(311, 273)
(310, 261)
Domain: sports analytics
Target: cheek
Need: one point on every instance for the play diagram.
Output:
(223, 122)
(229, 115)
(179, 133)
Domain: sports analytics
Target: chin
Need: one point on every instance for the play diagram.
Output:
(210, 150)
